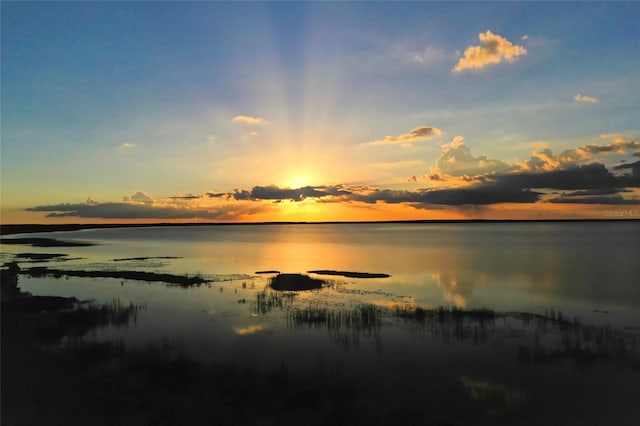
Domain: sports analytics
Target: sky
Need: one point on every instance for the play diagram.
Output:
(319, 111)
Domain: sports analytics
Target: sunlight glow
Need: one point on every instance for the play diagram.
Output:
(299, 179)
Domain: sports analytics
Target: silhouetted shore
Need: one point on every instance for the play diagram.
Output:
(32, 228)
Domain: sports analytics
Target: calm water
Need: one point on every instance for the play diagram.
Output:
(588, 271)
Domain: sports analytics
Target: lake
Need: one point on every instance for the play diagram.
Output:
(506, 319)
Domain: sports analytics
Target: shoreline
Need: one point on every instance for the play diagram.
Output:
(10, 229)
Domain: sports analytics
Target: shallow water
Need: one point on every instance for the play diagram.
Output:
(585, 271)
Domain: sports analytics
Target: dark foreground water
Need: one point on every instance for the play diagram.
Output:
(574, 356)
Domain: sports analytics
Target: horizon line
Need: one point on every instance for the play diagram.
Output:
(16, 228)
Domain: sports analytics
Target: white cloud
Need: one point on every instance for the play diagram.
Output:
(457, 160)
(246, 119)
(588, 99)
(127, 145)
(493, 49)
(139, 197)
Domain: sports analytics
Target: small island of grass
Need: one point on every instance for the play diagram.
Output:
(181, 280)
(45, 242)
(348, 274)
(294, 282)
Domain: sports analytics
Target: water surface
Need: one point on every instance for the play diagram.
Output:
(369, 327)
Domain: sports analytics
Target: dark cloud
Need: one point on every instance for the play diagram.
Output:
(274, 192)
(612, 199)
(64, 214)
(239, 195)
(216, 194)
(417, 134)
(591, 180)
(481, 195)
(590, 192)
(635, 168)
(57, 207)
(590, 176)
(186, 197)
(143, 211)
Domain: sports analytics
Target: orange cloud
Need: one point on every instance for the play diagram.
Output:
(417, 134)
(587, 99)
(246, 119)
(493, 49)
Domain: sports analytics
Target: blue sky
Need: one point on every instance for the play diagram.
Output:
(101, 101)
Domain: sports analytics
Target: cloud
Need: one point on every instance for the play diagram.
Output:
(493, 49)
(139, 197)
(216, 194)
(457, 160)
(524, 37)
(588, 176)
(613, 199)
(417, 134)
(511, 186)
(481, 194)
(186, 197)
(64, 207)
(634, 167)
(545, 160)
(588, 99)
(247, 119)
(127, 145)
(145, 211)
(273, 192)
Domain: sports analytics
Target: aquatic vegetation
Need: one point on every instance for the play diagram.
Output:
(49, 318)
(349, 274)
(40, 256)
(181, 280)
(268, 300)
(45, 242)
(145, 258)
(295, 282)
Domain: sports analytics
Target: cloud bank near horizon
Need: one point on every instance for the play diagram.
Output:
(458, 178)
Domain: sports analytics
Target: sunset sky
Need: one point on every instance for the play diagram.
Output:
(292, 111)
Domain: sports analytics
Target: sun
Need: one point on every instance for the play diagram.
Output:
(299, 179)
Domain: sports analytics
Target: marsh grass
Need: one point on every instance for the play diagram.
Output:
(180, 280)
(345, 326)
(268, 300)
